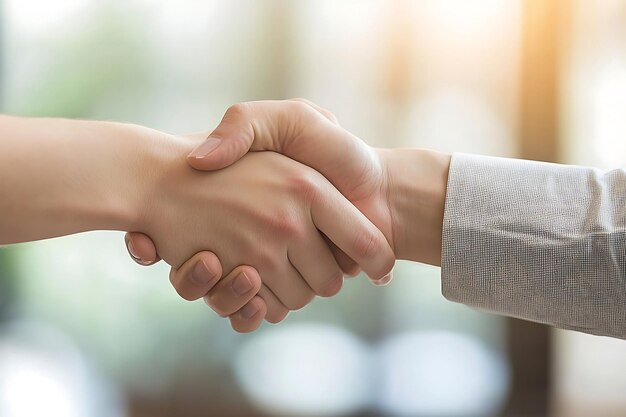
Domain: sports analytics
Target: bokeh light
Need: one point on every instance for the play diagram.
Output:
(43, 374)
(305, 370)
(440, 374)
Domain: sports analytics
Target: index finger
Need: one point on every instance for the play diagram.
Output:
(352, 232)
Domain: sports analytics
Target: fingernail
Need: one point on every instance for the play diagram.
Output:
(383, 281)
(200, 274)
(248, 311)
(242, 284)
(205, 148)
(133, 254)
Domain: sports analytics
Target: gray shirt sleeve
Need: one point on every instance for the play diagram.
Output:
(538, 241)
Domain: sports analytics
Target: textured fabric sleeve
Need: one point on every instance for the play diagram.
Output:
(538, 241)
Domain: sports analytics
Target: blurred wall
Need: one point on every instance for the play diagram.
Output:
(440, 74)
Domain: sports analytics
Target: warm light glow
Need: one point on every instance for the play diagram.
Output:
(459, 19)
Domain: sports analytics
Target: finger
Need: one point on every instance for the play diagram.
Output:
(141, 248)
(276, 310)
(250, 317)
(326, 113)
(290, 287)
(384, 280)
(196, 276)
(317, 265)
(234, 291)
(352, 232)
(225, 300)
(347, 264)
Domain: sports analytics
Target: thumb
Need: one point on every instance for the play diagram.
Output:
(231, 140)
(293, 128)
(141, 248)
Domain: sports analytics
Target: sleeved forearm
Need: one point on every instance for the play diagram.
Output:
(538, 241)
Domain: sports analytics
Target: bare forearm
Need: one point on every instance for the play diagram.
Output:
(60, 176)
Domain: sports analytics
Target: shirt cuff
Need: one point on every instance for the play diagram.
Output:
(538, 241)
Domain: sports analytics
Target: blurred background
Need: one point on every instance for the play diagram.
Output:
(84, 332)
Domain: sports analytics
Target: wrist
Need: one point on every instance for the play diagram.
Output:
(152, 158)
(128, 165)
(417, 182)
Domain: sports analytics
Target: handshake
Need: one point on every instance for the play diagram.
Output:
(272, 208)
(279, 203)
(293, 203)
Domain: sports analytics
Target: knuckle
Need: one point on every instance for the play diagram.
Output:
(287, 225)
(237, 110)
(299, 100)
(367, 244)
(283, 225)
(300, 302)
(312, 106)
(331, 116)
(305, 185)
(298, 106)
(332, 286)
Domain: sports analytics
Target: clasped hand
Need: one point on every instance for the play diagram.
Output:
(264, 233)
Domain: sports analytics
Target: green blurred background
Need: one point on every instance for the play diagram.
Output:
(86, 332)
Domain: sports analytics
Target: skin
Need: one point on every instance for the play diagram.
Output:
(401, 191)
(266, 214)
